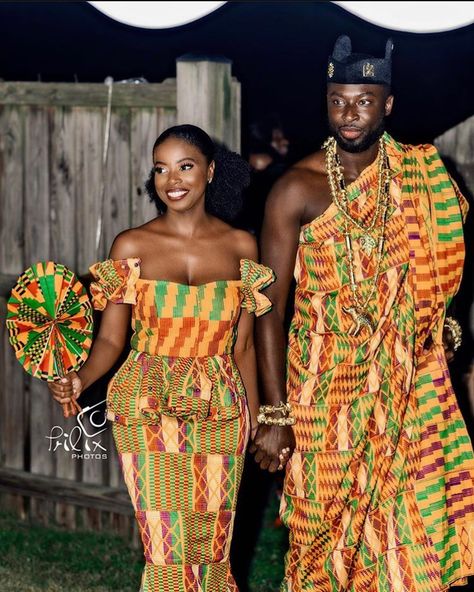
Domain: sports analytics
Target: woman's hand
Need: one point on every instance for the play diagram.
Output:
(273, 446)
(65, 391)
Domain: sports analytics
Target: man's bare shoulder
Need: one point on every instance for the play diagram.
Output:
(303, 190)
(303, 177)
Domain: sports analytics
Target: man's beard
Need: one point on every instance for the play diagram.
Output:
(360, 144)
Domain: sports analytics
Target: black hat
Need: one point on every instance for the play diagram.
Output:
(345, 67)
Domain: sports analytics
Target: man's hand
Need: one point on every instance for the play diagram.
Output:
(273, 447)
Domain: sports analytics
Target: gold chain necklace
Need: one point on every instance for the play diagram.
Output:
(339, 192)
(359, 313)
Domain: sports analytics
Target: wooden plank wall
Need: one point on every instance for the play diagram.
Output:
(51, 178)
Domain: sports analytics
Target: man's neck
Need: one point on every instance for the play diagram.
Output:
(354, 163)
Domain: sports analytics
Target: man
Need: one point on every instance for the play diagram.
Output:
(378, 492)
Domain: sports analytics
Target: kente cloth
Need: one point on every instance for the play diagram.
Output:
(379, 495)
(180, 418)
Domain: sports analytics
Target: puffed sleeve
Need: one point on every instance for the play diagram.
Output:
(255, 277)
(115, 280)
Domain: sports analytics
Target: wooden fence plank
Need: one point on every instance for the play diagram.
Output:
(13, 431)
(144, 131)
(89, 142)
(65, 466)
(205, 95)
(88, 94)
(117, 180)
(63, 239)
(11, 190)
(166, 118)
(36, 210)
(13, 442)
(100, 497)
(63, 226)
(37, 245)
(94, 461)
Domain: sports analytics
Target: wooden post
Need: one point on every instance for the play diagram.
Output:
(209, 97)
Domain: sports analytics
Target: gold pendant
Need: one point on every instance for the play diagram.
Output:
(360, 318)
(367, 243)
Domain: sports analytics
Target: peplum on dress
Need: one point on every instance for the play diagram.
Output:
(180, 417)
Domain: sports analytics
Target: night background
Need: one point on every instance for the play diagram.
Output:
(279, 52)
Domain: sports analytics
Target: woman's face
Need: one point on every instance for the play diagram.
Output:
(181, 174)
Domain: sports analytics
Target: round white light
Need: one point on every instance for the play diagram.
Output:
(414, 17)
(156, 15)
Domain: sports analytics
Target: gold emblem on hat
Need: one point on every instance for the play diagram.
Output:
(331, 70)
(368, 70)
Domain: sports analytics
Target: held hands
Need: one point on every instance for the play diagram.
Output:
(273, 446)
(452, 338)
(65, 391)
(448, 344)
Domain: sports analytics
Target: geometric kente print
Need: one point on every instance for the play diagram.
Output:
(181, 423)
(379, 493)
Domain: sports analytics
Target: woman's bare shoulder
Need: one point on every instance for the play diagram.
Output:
(236, 241)
(132, 242)
(245, 244)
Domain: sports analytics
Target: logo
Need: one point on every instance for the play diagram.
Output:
(82, 440)
(368, 70)
(331, 70)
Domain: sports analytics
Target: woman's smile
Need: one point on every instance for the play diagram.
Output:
(177, 193)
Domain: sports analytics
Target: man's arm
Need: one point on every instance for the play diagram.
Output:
(279, 243)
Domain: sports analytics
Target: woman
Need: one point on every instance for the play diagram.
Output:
(178, 406)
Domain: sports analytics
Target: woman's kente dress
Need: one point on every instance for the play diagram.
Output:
(180, 418)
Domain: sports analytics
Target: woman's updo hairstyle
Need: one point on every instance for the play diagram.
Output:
(231, 175)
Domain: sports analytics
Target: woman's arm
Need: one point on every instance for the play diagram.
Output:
(244, 355)
(106, 348)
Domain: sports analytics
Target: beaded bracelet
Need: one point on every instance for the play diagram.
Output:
(279, 421)
(456, 331)
(283, 408)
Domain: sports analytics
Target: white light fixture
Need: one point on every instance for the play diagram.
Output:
(414, 17)
(156, 15)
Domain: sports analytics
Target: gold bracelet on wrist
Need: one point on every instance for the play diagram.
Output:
(279, 421)
(453, 325)
(283, 408)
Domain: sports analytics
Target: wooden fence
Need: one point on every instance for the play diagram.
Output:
(53, 175)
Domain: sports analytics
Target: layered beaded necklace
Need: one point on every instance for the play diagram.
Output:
(370, 235)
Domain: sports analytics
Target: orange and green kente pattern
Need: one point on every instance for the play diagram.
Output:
(180, 417)
(379, 493)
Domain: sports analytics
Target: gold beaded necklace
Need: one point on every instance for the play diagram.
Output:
(361, 317)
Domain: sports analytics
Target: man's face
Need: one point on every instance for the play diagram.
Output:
(356, 114)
